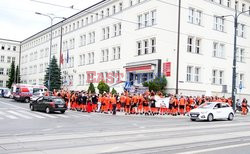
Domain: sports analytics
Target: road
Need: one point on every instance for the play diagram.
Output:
(25, 132)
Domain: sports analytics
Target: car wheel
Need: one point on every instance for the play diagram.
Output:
(27, 100)
(230, 117)
(210, 117)
(193, 119)
(62, 112)
(31, 107)
(47, 110)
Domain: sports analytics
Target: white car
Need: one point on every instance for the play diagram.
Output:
(212, 110)
(36, 95)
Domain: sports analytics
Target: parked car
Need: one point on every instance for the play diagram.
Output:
(4, 92)
(23, 92)
(212, 110)
(48, 104)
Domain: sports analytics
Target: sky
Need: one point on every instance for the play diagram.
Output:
(18, 20)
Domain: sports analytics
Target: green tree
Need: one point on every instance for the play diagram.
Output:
(11, 75)
(55, 75)
(113, 91)
(103, 87)
(158, 84)
(91, 88)
(17, 75)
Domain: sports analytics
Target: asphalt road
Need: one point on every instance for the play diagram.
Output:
(25, 132)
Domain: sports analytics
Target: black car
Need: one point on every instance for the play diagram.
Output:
(48, 104)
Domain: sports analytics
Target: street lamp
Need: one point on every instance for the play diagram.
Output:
(52, 17)
(235, 16)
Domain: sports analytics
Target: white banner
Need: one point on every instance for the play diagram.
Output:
(162, 102)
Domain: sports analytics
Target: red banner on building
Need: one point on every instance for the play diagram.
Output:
(167, 69)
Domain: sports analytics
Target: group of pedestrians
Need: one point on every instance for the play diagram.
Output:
(129, 103)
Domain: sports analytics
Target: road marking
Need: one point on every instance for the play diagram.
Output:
(61, 115)
(32, 114)
(46, 115)
(13, 105)
(215, 149)
(8, 116)
(20, 115)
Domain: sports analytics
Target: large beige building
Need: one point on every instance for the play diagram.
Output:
(9, 51)
(136, 40)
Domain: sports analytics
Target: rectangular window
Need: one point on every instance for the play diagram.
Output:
(241, 80)
(115, 29)
(2, 59)
(191, 15)
(228, 3)
(1, 83)
(197, 74)
(113, 53)
(219, 23)
(114, 9)
(146, 19)
(197, 45)
(221, 76)
(120, 6)
(139, 48)
(8, 59)
(153, 17)
(102, 56)
(189, 73)
(145, 46)
(218, 50)
(103, 33)
(139, 18)
(190, 44)
(153, 44)
(107, 12)
(118, 53)
(214, 76)
(107, 55)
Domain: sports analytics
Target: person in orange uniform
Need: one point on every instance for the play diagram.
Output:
(122, 100)
(181, 105)
(128, 105)
(113, 102)
(175, 106)
(106, 102)
(134, 104)
(244, 107)
(140, 104)
(99, 103)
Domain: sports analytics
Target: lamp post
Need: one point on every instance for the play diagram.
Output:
(235, 16)
(51, 17)
(178, 48)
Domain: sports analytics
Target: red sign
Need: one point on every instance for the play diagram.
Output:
(167, 69)
(138, 68)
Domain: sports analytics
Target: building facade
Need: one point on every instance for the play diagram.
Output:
(136, 40)
(9, 51)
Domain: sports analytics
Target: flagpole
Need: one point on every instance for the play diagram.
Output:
(61, 60)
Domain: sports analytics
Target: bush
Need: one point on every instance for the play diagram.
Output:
(158, 84)
(103, 87)
(91, 88)
(113, 91)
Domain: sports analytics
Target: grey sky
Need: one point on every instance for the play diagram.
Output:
(19, 21)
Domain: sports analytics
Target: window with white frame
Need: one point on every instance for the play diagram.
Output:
(193, 74)
(8, 59)
(217, 77)
(120, 6)
(194, 16)
(114, 30)
(221, 2)
(219, 23)
(146, 19)
(96, 17)
(146, 46)
(102, 55)
(2, 59)
(241, 79)
(1, 83)
(240, 30)
(114, 9)
(189, 73)
(91, 19)
(243, 7)
(218, 50)
(193, 44)
(240, 54)
(89, 58)
(107, 12)
(228, 3)
(153, 17)
(139, 21)
(107, 32)
(106, 55)
(13, 59)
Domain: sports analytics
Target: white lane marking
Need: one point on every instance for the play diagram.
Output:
(215, 149)
(13, 105)
(19, 114)
(110, 150)
(61, 115)
(46, 115)
(8, 116)
(32, 114)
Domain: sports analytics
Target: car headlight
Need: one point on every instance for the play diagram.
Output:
(204, 112)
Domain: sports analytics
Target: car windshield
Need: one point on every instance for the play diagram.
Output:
(57, 100)
(206, 106)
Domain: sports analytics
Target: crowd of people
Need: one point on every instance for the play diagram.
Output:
(128, 103)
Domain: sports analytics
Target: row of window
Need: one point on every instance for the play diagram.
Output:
(8, 47)
(87, 39)
(113, 54)
(146, 19)
(2, 71)
(33, 69)
(194, 75)
(195, 17)
(194, 46)
(237, 5)
(146, 46)
(9, 59)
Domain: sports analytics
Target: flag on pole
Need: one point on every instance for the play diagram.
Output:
(61, 58)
